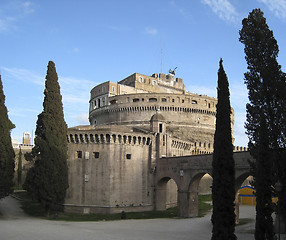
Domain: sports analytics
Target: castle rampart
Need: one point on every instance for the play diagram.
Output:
(111, 162)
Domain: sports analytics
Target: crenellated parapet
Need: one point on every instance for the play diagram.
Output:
(178, 144)
(108, 138)
(240, 149)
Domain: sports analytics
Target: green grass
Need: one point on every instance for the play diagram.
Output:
(243, 221)
(30, 206)
(204, 204)
(17, 188)
(34, 209)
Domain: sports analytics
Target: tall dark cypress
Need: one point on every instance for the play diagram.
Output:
(48, 179)
(6, 150)
(266, 117)
(223, 189)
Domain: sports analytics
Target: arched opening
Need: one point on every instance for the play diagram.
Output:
(189, 200)
(152, 99)
(166, 194)
(205, 185)
(245, 197)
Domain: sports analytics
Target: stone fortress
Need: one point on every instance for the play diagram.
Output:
(133, 123)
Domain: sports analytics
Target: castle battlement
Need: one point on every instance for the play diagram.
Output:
(108, 138)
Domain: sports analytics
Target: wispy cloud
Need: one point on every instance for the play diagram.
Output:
(179, 9)
(24, 75)
(6, 23)
(239, 98)
(28, 7)
(211, 92)
(22, 112)
(223, 9)
(13, 13)
(278, 7)
(73, 50)
(238, 94)
(82, 118)
(239, 134)
(151, 31)
(75, 95)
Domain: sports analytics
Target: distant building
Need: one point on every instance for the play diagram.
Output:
(21, 149)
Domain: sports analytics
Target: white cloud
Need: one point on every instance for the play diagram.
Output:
(28, 7)
(278, 7)
(6, 23)
(239, 98)
(179, 9)
(211, 92)
(75, 89)
(24, 75)
(224, 9)
(3, 25)
(238, 95)
(13, 13)
(151, 31)
(82, 119)
(22, 112)
(74, 50)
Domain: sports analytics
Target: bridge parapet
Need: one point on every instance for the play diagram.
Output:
(187, 172)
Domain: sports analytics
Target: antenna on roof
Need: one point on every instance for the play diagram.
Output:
(161, 55)
(161, 60)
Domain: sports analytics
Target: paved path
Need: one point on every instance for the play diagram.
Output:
(16, 226)
(10, 208)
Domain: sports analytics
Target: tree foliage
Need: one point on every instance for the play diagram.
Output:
(223, 189)
(6, 149)
(19, 170)
(266, 115)
(47, 180)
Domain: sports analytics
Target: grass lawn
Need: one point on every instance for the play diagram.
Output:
(33, 208)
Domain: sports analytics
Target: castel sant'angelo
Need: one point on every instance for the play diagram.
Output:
(133, 123)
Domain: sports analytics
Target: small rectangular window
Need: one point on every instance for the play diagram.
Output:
(86, 177)
(128, 156)
(160, 127)
(86, 155)
(96, 154)
(79, 154)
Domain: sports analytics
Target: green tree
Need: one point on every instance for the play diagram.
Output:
(19, 170)
(47, 180)
(266, 116)
(7, 154)
(223, 189)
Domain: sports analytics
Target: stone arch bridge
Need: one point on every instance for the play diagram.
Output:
(187, 172)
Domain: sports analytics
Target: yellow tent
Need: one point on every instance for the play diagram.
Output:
(246, 196)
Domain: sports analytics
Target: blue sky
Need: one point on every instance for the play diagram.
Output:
(94, 41)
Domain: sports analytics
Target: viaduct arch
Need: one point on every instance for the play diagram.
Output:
(187, 172)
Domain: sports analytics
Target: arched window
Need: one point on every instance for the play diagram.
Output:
(152, 99)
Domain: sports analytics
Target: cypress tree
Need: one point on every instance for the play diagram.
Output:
(47, 180)
(19, 171)
(223, 191)
(6, 149)
(266, 116)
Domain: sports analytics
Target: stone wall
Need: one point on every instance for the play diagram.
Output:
(108, 172)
